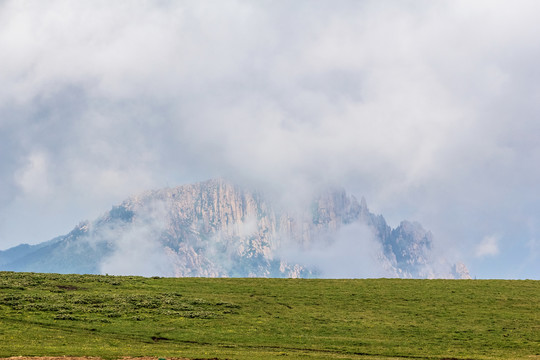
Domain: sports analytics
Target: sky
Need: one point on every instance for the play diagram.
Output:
(428, 109)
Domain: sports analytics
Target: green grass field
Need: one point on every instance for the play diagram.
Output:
(112, 317)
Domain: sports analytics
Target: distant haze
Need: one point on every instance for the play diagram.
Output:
(431, 110)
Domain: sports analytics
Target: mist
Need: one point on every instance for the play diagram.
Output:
(352, 253)
(136, 246)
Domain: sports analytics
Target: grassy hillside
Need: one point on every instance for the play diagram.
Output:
(111, 317)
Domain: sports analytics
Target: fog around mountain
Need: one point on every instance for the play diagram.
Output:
(218, 229)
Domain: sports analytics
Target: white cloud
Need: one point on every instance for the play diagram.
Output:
(489, 246)
(33, 178)
(354, 253)
(136, 246)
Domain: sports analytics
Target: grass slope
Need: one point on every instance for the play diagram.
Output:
(111, 317)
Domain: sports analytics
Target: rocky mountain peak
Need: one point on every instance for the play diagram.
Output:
(216, 228)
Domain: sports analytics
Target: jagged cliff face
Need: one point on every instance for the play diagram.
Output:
(215, 228)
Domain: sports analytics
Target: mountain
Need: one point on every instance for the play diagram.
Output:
(217, 229)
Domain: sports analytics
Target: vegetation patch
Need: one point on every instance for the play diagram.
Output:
(114, 317)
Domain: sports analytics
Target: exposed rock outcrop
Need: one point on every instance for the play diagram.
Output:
(216, 228)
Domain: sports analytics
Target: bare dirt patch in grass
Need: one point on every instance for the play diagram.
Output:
(82, 358)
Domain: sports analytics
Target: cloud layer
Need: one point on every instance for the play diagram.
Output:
(430, 110)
